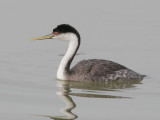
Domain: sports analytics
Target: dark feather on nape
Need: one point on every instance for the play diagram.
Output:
(66, 28)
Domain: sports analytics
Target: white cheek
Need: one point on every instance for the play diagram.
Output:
(66, 37)
(62, 37)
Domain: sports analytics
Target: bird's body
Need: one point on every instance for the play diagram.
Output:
(101, 70)
(87, 70)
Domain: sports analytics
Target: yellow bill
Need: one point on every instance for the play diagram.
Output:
(44, 37)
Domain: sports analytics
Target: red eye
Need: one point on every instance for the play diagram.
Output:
(56, 33)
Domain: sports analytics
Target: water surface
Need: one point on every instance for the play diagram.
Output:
(124, 31)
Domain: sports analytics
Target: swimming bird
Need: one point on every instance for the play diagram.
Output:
(86, 70)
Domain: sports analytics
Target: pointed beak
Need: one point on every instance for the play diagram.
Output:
(50, 36)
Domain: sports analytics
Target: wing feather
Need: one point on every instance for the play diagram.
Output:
(96, 67)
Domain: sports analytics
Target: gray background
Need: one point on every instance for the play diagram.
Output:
(125, 31)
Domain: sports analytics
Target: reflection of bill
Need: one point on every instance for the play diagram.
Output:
(90, 89)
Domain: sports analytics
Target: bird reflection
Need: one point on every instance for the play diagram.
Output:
(90, 90)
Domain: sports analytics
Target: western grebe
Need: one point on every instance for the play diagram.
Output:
(86, 70)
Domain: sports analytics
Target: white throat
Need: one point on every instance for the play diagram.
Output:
(73, 43)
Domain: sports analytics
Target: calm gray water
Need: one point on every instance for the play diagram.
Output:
(123, 31)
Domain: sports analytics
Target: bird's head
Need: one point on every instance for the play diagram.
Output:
(62, 32)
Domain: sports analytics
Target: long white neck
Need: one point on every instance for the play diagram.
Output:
(67, 59)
